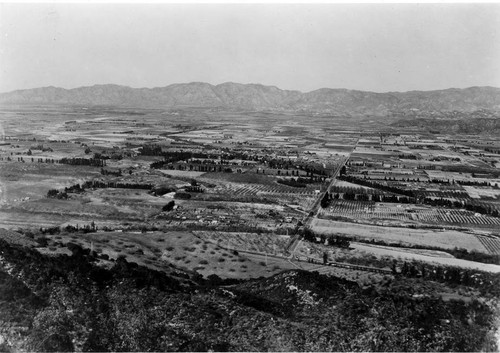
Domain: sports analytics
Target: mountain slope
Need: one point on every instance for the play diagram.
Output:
(69, 303)
(260, 97)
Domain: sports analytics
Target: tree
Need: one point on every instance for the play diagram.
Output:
(169, 206)
(325, 201)
(214, 280)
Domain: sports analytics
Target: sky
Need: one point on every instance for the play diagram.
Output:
(371, 47)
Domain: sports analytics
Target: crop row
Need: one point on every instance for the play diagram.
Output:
(368, 210)
(456, 217)
(493, 245)
(254, 189)
(268, 243)
(365, 209)
(457, 195)
(19, 220)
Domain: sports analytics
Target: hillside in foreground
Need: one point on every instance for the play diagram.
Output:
(124, 307)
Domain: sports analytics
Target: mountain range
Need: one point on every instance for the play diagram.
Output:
(259, 97)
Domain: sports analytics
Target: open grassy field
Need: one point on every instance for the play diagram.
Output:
(437, 257)
(12, 220)
(182, 173)
(447, 239)
(376, 255)
(33, 180)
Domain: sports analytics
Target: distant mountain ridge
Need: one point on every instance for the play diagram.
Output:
(260, 97)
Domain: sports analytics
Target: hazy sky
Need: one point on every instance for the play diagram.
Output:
(376, 47)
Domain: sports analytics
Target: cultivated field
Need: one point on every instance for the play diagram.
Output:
(408, 213)
(159, 250)
(446, 239)
(260, 243)
(203, 185)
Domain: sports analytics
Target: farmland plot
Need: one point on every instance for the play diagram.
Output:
(261, 243)
(33, 180)
(52, 212)
(385, 255)
(74, 208)
(258, 189)
(12, 220)
(491, 243)
(478, 193)
(446, 239)
(434, 257)
(406, 213)
(162, 251)
(273, 193)
(182, 173)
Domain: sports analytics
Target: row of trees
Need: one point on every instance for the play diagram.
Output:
(87, 228)
(373, 197)
(486, 282)
(414, 196)
(116, 173)
(300, 182)
(226, 157)
(338, 241)
(39, 160)
(476, 183)
(377, 185)
(194, 188)
(95, 162)
(95, 184)
(474, 207)
(98, 184)
(407, 156)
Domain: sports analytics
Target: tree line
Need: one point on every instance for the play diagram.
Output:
(95, 184)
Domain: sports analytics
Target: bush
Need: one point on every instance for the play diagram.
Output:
(214, 280)
(42, 241)
(169, 206)
(182, 195)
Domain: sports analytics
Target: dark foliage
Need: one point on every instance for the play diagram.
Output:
(68, 303)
